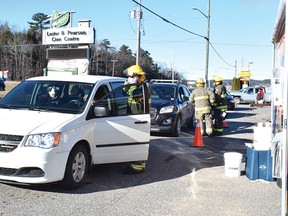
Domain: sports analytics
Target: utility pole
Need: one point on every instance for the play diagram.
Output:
(235, 68)
(207, 46)
(207, 38)
(113, 68)
(139, 16)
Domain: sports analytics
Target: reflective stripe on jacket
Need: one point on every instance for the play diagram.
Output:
(222, 107)
(220, 96)
(202, 98)
(205, 109)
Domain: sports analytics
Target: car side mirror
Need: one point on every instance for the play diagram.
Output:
(185, 98)
(101, 111)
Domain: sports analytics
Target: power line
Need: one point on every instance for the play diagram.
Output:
(220, 56)
(168, 20)
(164, 19)
(197, 42)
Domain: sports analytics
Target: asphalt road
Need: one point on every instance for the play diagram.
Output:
(179, 180)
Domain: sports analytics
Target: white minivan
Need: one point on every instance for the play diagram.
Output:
(54, 128)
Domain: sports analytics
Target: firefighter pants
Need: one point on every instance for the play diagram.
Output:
(218, 125)
(208, 122)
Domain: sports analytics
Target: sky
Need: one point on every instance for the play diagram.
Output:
(240, 31)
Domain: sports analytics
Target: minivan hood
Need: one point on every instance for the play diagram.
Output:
(22, 122)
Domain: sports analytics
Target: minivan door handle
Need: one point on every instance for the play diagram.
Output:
(141, 122)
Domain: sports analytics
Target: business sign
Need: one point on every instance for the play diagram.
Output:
(4, 74)
(56, 36)
(245, 74)
(60, 19)
(244, 78)
(68, 66)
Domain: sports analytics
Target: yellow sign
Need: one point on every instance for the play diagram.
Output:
(245, 74)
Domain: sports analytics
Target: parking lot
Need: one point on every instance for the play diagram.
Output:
(179, 180)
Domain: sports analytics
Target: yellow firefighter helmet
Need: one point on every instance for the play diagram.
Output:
(200, 82)
(135, 70)
(218, 78)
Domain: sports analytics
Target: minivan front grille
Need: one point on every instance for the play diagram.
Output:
(8, 137)
(7, 148)
(8, 142)
(7, 171)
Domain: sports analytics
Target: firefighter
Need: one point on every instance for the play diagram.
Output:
(220, 107)
(135, 75)
(202, 98)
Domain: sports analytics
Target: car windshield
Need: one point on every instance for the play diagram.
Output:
(56, 96)
(164, 92)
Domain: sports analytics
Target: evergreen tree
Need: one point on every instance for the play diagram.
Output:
(38, 23)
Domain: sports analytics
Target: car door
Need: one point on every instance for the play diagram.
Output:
(248, 95)
(121, 135)
(187, 112)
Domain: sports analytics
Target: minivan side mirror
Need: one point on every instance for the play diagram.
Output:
(101, 111)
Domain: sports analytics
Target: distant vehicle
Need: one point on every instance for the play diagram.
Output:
(2, 85)
(230, 101)
(248, 94)
(170, 107)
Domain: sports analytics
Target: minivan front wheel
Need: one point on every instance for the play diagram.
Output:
(76, 168)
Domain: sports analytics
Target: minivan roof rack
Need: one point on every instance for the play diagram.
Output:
(165, 81)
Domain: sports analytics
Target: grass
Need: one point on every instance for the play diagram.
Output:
(9, 86)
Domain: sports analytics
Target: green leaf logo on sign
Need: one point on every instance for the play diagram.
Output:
(60, 19)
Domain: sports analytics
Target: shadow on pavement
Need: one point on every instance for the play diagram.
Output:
(169, 158)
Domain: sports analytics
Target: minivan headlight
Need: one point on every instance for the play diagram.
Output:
(47, 140)
(167, 109)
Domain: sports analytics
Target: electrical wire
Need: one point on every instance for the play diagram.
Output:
(169, 21)
(164, 19)
(220, 56)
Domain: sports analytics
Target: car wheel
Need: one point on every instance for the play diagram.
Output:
(192, 122)
(177, 127)
(237, 100)
(76, 168)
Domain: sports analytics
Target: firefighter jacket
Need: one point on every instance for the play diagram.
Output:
(221, 97)
(202, 98)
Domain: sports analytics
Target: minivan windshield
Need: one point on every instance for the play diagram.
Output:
(56, 96)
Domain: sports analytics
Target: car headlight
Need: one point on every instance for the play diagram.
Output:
(47, 140)
(167, 109)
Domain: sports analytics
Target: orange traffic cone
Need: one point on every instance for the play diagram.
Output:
(224, 125)
(197, 141)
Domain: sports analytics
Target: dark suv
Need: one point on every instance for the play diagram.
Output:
(170, 107)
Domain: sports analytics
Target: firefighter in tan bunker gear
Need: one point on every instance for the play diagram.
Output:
(135, 75)
(221, 103)
(203, 98)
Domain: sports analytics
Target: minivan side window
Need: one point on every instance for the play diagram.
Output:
(124, 100)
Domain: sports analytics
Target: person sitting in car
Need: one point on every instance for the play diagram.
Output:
(53, 97)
